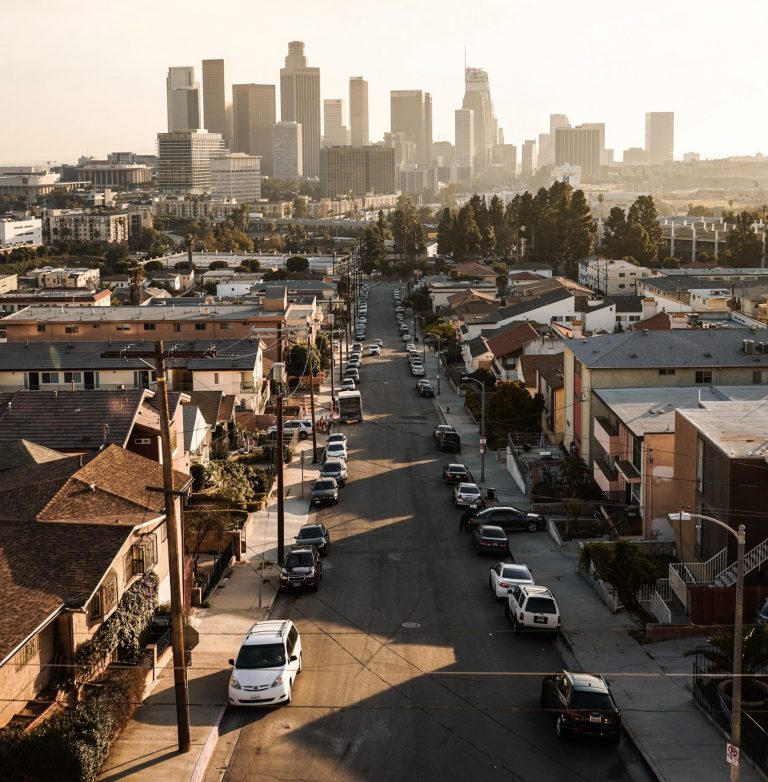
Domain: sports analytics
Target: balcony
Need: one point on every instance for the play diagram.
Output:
(606, 434)
(605, 475)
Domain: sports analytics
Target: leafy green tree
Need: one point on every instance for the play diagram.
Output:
(743, 246)
(615, 233)
(218, 265)
(296, 264)
(248, 265)
(199, 524)
(580, 230)
(323, 345)
(441, 328)
(512, 408)
(299, 207)
(153, 266)
(445, 231)
(487, 240)
(298, 361)
(643, 213)
(467, 238)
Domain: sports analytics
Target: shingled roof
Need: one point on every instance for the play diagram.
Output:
(512, 339)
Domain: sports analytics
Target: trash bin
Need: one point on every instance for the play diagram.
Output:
(490, 493)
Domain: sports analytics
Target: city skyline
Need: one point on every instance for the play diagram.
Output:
(600, 73)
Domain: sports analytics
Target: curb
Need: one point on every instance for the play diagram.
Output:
(204, 758)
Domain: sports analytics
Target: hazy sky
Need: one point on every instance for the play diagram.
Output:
(84, 77)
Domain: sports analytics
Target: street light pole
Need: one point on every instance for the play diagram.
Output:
(738, 624)
(481, 383)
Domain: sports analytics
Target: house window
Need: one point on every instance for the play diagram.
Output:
(71, 329)
(757, 377)
(703, 376)
(177, 327)
(201, 326)
(149, 326)
(123, 327)
(637, 449)
(141, 557)
(215, 378)
(105, 598)
(40, 328)
(49, 378)
(667, 371)
(73, 377)
(143, 377)
(27, 652)
(224, 326)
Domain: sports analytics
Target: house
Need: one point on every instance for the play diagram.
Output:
(23, 453)
(440, 292)
(197, 435)
(530, 267)
(548, 370)
(611, 276)
(171, 280)
(75, 534)
(506, 346)
(115, 281)
(83, 297)
(476, 354)
(646, 359)
(84, 421)
(477, 271)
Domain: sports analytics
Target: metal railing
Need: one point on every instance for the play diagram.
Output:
(752, 559)
(677, 585)
(645, 593)
(660, 609)
(218, 568)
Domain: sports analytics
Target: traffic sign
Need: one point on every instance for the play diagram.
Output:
(732, 754)
(482, 442)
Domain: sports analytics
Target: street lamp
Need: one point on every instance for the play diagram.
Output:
(481, 383)
(738, 623)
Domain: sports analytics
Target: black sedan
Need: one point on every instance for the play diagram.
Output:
(316, 535)
(488, 539)
(510, 519)
(581, 703)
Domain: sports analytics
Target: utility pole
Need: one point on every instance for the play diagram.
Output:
(175, 537)
(312, 392)
(279, 378)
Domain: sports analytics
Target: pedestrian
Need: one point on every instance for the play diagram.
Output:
(465, 517)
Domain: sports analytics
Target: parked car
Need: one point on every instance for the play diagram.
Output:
(357, 347)
(510, 519)
(325, 491)
(267, 664)
(302, 569)
(406, 337)
(467, 495)
(457, 473)
(360, 335)
(379, 342)
(334, 468)
(316, 535)
(348, 384)
(441, 428)
(374, 350)
(426, 389)
(336, 450)
(581, 703)
(352, 372)
(449, 441)
(504, 576)
(409, 347)
(337, 437)
(417, 370)
(490, 539)
(532, 608)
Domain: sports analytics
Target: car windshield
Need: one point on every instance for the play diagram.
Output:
(457, 468)
(331, 467)
(307, 533)
(298, 559)
(584, 699)
(336, 445)
(261, 656)
(541, 605)
(496, 534)
(321, 485)
(468, 488)
(518, 573)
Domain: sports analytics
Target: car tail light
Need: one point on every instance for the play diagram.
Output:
(522, 616)
(504, 586)
(575, 715)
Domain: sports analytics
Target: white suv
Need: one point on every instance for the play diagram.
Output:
(267, 664)
(533, 608)
(300, 426)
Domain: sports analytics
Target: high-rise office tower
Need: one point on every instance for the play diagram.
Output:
(546, 154)
(215, 99)
(579, 146)
(557, 121)
(465, 145)
(357, 170)
(411, 114)
(288, 158)
(660, 137)
(184, 160)
(358, 111)
(335, 132)
(528, 161)
(253, 120)
(183, 99)
(300, 102)
(477, 96)
(235, 175)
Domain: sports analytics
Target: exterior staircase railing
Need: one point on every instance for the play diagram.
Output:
(752, 559)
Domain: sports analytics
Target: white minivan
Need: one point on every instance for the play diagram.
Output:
(267, 665)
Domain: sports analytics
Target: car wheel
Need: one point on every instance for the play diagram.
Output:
(516, 625)
(490, 584)
(303, 435)
(532, 526)
(290, 693)
(560, 730)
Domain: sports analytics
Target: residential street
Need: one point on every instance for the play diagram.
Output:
(411, 669)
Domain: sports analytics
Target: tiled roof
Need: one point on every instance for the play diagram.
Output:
(658, 322)
(228, 405)
(475, 269)
(695, 348)
(626, 304)
(550, 367)
(70, 420)
(531, 303)
(23, 453)
(512, 339)
(209, 403)
(522, 276)
(477, 347)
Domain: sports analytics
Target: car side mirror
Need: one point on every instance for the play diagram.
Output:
(232, 663)
(294, 658)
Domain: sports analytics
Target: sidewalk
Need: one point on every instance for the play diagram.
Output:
(147, 748)
(651, 682)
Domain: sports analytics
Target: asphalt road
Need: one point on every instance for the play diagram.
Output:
(411, 670)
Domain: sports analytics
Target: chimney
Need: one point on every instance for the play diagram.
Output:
(650, 307)
(577, 327)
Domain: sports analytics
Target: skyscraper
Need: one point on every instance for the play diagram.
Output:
(300, 102)
(287, 155)
(465, 145)
(411, 114)
(183, 99)
(253, 119)
(579, 146)
(660, 137)
(357, 170)
(184, 160)
(528, 162)
(235, 175)
(335, 132)
(477, 96)
(358, 111)
(215, 99)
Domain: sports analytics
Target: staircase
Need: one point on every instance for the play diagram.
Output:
(752, 559)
